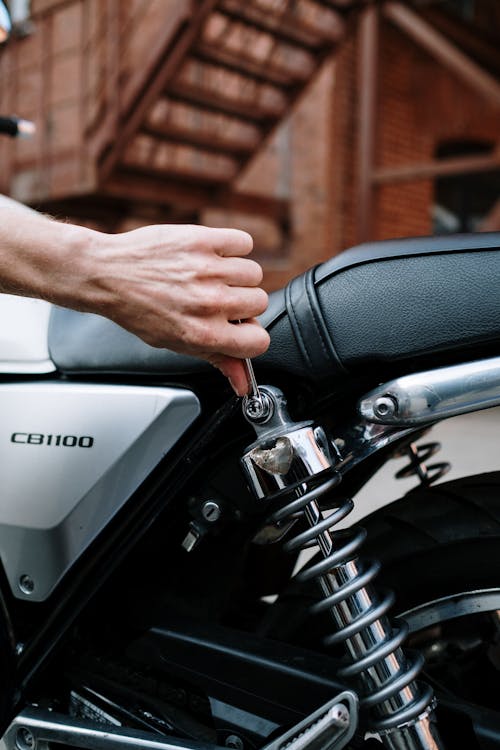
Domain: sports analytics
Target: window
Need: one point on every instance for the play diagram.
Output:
(462, 202)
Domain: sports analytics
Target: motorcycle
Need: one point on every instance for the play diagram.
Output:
(151, 523)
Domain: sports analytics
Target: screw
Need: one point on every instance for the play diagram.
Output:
(385, 406)
(211, 511)
(26, 584)
(258, 408)
(234, 742)
(341, 715)
(25, 740)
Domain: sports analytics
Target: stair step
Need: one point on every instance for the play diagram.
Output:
(186, 176)
(286, 29)
(199, 139)
(216, 102)
(261, 71)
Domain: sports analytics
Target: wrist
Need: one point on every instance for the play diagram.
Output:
(72, 267)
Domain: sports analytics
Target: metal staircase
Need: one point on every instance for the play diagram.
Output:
(221, 86)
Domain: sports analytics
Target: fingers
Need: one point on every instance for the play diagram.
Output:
(242, 303)
(239, 272)
(235, 371)
(247, 339)
(231, 242)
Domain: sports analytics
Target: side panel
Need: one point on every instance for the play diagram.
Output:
(24, 327)
(70, 456)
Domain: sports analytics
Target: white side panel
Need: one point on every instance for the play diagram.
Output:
(24, 325)
(70, 456)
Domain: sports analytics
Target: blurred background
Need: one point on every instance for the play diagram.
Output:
(313, 124)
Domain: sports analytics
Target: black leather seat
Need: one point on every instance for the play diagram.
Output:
(381, 307)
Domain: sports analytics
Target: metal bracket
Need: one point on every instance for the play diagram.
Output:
(329, 728)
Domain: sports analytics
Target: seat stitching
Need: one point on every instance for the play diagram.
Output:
(316, 323)
(295, 326)
(317, 314)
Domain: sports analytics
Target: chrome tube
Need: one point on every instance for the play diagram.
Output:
(427, 397)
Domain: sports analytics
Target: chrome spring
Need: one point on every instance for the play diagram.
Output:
(419, 455)
(386, 676)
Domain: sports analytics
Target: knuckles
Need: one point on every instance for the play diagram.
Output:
(206, 239)
(207, 303)
(200, 335)
(257, 271)
(263, 341)
(261, 301)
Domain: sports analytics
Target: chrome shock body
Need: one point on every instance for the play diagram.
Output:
(291, 465)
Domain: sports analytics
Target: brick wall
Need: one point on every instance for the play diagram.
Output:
(296, 164)
(420, 105)
(84, 61)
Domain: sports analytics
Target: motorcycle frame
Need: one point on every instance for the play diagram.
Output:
(408, 404)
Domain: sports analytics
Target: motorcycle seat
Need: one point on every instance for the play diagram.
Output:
(381, 307)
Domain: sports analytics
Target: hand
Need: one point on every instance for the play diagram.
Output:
(182, 288)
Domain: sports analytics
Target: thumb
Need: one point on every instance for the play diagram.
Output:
(234, 369)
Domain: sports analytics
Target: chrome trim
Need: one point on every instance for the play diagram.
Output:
(451, 607)
(285, 452)
(330, 727)
(426, 397)
(418, 735)
(35, 727)
(358, 441)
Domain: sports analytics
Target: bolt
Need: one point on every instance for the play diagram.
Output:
(25, 739)
(258, 408)
(211, 511)
(26, 584)
(255, 407)
(234, 742)
(341, 715)
(385, 406)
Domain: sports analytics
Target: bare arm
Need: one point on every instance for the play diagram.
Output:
(175, 286)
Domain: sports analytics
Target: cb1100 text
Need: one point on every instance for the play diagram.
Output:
(66, 441)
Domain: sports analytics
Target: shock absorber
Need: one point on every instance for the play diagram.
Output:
(418, 466)
(291, 466)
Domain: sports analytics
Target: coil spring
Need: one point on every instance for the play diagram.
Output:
(418, 455)
(386, 676)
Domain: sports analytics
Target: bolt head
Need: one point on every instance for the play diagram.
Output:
(258, 409)
(211, 511)
(25, 740)
(385, 406)
(26, 584)
(234, 742)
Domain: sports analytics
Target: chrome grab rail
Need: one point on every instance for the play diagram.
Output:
(429, 396)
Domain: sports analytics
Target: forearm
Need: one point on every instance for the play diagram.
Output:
(40, 257)
(6, 202)
(177, 287)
